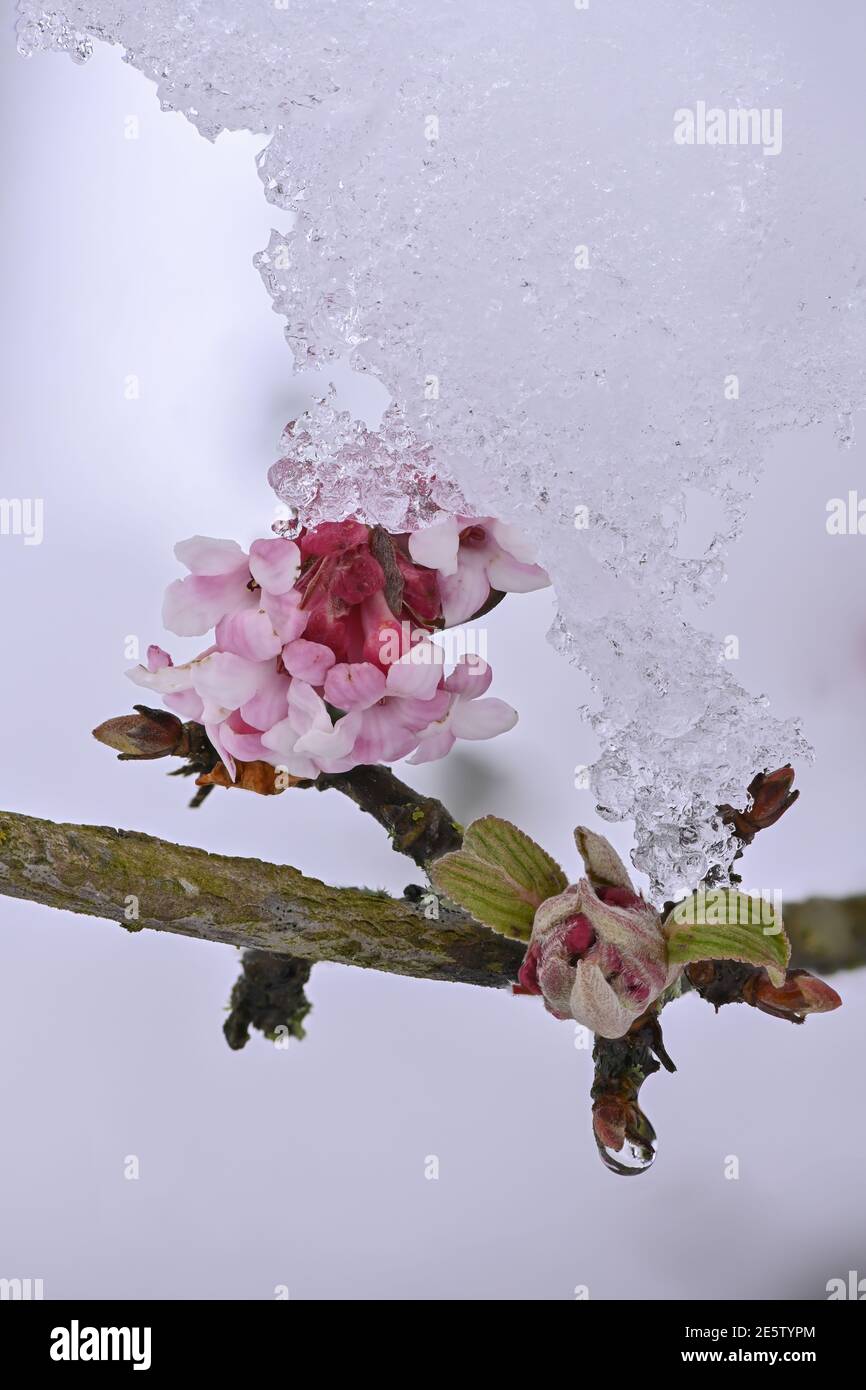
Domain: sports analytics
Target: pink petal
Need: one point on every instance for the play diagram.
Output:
(309, 661)
(270, 702)
(334, 742)
(466, 591)
(286, 614)
(157, 658)
(275, 564)
(247, 747)
(437, 546)
(204, 555)
(513, 541)
(482, 718)
(249, 633)
(214, 730)
(470, 677)
(279, 750)
(421, 715)
(306, 708)
(194, 605)
(354, 686)
(508, 574)
(186, 704)
(433, 748)
(384, 736)
(417, 673)
(226, 680)
(280, 739)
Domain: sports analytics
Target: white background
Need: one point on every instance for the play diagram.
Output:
(305, 1167)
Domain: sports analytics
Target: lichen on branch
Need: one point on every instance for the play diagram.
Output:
(143, 882)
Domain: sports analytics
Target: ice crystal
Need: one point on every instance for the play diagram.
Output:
(579, 318)
(334, 467)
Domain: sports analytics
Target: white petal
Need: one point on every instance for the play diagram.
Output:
(481, 718)
(417, 673)
(226, 680)
(433, 748)
(437, 546)
(168, 680)
(206, 555)
(194, 605)
(509, 575)
(214, 733)
(249, 633)
(281, 739)
(514, 541)
(336, 741)
(306, 709)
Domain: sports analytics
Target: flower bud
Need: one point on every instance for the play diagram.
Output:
(149, 733)
(801, 994)
(597, 952)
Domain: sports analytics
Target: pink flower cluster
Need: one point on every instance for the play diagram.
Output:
(322, 656)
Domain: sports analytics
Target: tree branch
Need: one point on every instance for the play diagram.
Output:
(419, 826)
(242, 902)
(268, 995)
(827, 934)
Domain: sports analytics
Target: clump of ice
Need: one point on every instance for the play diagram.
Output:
(578, 319)
(334, 467)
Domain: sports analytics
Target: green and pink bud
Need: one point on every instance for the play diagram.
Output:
(597, 952)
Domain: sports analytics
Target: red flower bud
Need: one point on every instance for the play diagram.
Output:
(801, 994)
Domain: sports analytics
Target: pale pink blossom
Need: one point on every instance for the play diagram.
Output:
(221, 682)
(464, 715)
(298, 674)
(306, 742)
(222, 583)
(473, 555)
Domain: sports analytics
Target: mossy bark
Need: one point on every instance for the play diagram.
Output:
(117, 874)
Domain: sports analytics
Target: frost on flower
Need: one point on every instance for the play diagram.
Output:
(333, 467)
(322, 655)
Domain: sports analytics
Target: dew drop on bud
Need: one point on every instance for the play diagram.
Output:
(626, 1140)
(630, 1159)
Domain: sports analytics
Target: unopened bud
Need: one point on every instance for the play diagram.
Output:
(801, 994)
(149, 733)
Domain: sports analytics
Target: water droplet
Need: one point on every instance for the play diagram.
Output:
(634, 1157)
